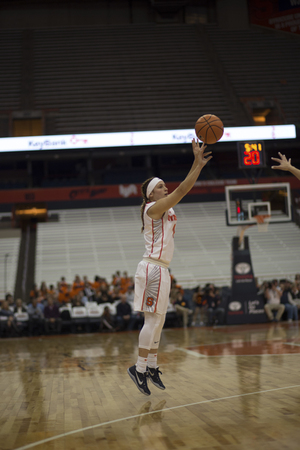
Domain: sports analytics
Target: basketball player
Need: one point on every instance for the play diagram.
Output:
(152, 278)
(286, 165)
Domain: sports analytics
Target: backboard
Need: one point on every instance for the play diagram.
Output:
(243, 202)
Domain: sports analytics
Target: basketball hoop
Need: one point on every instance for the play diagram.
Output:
(262, 221)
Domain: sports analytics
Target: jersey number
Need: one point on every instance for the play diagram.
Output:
(174, 229)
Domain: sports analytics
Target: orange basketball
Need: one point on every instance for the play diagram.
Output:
(209, 129)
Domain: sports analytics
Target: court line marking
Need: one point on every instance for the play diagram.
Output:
(91, 427)
(191, 352)
(201, 355)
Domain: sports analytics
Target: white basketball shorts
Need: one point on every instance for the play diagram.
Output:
(152, 288)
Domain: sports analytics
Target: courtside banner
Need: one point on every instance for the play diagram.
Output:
(140, 138)
(119, 191)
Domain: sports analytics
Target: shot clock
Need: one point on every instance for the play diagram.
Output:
(251, 155)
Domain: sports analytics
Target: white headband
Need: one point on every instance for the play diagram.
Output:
(152, 185)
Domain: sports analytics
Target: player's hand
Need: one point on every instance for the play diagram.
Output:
(284, 164)
(201, 157)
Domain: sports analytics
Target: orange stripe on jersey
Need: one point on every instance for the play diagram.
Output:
(162, 237)
(152, 236)
(158, 289)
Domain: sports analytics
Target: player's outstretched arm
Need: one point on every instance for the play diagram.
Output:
(201, 159)
(286, 165)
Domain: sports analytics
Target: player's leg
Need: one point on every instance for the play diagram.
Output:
(152, 327)
(153, 369)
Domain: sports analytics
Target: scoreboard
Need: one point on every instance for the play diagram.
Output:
(251, 155)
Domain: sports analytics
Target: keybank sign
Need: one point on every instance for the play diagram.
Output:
(46, 144)
(139, 138)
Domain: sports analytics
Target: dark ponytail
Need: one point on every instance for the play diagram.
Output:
(145, 200)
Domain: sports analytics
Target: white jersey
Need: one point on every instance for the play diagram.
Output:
(159, 235)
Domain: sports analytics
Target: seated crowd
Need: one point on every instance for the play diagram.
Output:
(81, 306)
(102, 306)
(281, 296)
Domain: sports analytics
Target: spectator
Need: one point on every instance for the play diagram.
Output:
(86, 281)
(107, 320)
(200, 308)
(41, 302)
(7, 326)
(173, 292)
(79, 299)
(182, 308)
(34, 293)
(10, 300)
(278, 284)
(36, 318)
(77, 286)
(100, 286)
(43, 290)
(288, 302)
(262, 289)
(296, 293)
(96, 285)
(116, 279)
(130, 295)
(125, 283)
(20, 308)
(52, 316)
(21, 323)
(104, 283)
(63, 291)
(273, 295)
(124, 318)
(104, 297)
(88, 292)
(52, 291)
(115, 294)
(215, 311)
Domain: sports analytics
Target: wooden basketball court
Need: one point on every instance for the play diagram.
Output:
(229, 388)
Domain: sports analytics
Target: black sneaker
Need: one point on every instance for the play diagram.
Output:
(140, 379)
(155, 378)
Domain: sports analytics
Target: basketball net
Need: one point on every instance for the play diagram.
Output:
(262, 221)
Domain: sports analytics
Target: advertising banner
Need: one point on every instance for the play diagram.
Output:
(139, 138)
(281, 15)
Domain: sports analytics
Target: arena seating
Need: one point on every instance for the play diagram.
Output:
(261, 64)
(10, 74)
(102, 240)
(128, 78)
(148, 76)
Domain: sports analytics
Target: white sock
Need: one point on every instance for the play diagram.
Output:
(141, 364)
(152, 360)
